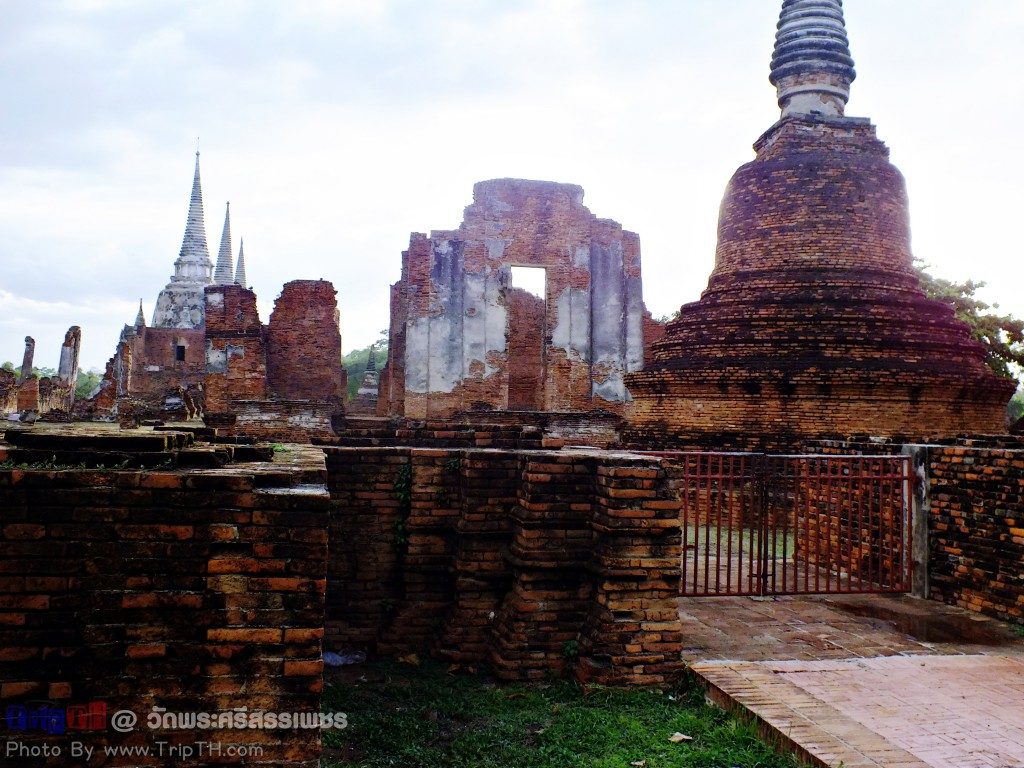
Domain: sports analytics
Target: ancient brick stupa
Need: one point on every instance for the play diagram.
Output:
(813, 322)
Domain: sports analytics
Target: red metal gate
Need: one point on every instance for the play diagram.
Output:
(757, 524)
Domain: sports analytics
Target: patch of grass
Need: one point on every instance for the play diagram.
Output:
(1018, 630)
(744, 540)
(422, 717)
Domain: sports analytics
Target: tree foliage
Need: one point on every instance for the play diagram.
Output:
(1001, 335)
(42, 373)
(87, 380)
(87, 383)
(1017, 405)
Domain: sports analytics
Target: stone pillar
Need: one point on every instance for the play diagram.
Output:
(67, 371)
(537, 628)
(28, 360)
(632, 635)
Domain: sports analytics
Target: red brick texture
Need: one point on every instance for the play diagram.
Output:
(977, 529)
(196, 592)
(236, 358)
(150, 370)
(540, 563)
(28, 395)
(304, 344)
(283, 381)
(525, 350)
(813, 322)
(8, 392)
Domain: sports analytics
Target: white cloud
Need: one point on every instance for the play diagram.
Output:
(337, 127)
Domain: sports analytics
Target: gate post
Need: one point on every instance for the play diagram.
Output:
(919, 503)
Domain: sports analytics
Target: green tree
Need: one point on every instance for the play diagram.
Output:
(1017, 405)
(1001, 335)
(42, 373)
(87, 382)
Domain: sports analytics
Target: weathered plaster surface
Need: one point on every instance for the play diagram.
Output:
(450, 311)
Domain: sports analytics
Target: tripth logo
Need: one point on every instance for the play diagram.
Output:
(57, 720)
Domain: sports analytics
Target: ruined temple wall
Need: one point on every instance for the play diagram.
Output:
(392, 376)
(976, 529)
(163, 589)
(654, 331)
(236, 367)
(27, 398)
(525, 350)
(154, 370)
(54, 395)
(304, 360)
(505, 557)
(454, 291)
(8, 392)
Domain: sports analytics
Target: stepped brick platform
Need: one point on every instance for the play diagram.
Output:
(523, 430)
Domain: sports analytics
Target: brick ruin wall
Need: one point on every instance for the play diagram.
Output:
(284, 421)
(52, 397)
(8, 392)
(525, 350)
(188, 591)
(145, 378)
(283, 381)
(539, 563)
(971, 492)
(976, 529)
(236, 356)
(304, 344)
(451, 318)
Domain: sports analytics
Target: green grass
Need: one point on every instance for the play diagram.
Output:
(743, 540)
(422, 717)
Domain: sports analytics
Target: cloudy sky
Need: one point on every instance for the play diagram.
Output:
(337, 127)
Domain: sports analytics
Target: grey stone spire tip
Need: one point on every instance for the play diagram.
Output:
(812, 67)
(223, 273)
(240, 268)
(140, 319)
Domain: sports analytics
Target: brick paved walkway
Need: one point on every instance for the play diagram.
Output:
(837, 684)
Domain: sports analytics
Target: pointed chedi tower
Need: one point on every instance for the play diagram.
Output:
(240, 267)
(813, 323)
(222, 275)
(140, 318)
(181, 304)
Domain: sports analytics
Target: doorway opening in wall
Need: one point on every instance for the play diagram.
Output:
(527, 328)
(179, 353)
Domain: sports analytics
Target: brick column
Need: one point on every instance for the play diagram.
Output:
(368, 515)
(483, 534)
(424, 545)
(537, 628)
(632, 633)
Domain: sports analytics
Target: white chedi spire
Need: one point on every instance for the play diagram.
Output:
(193, 264)
(182, 303)
(812, 67)
(240, 268)
(222, 274)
